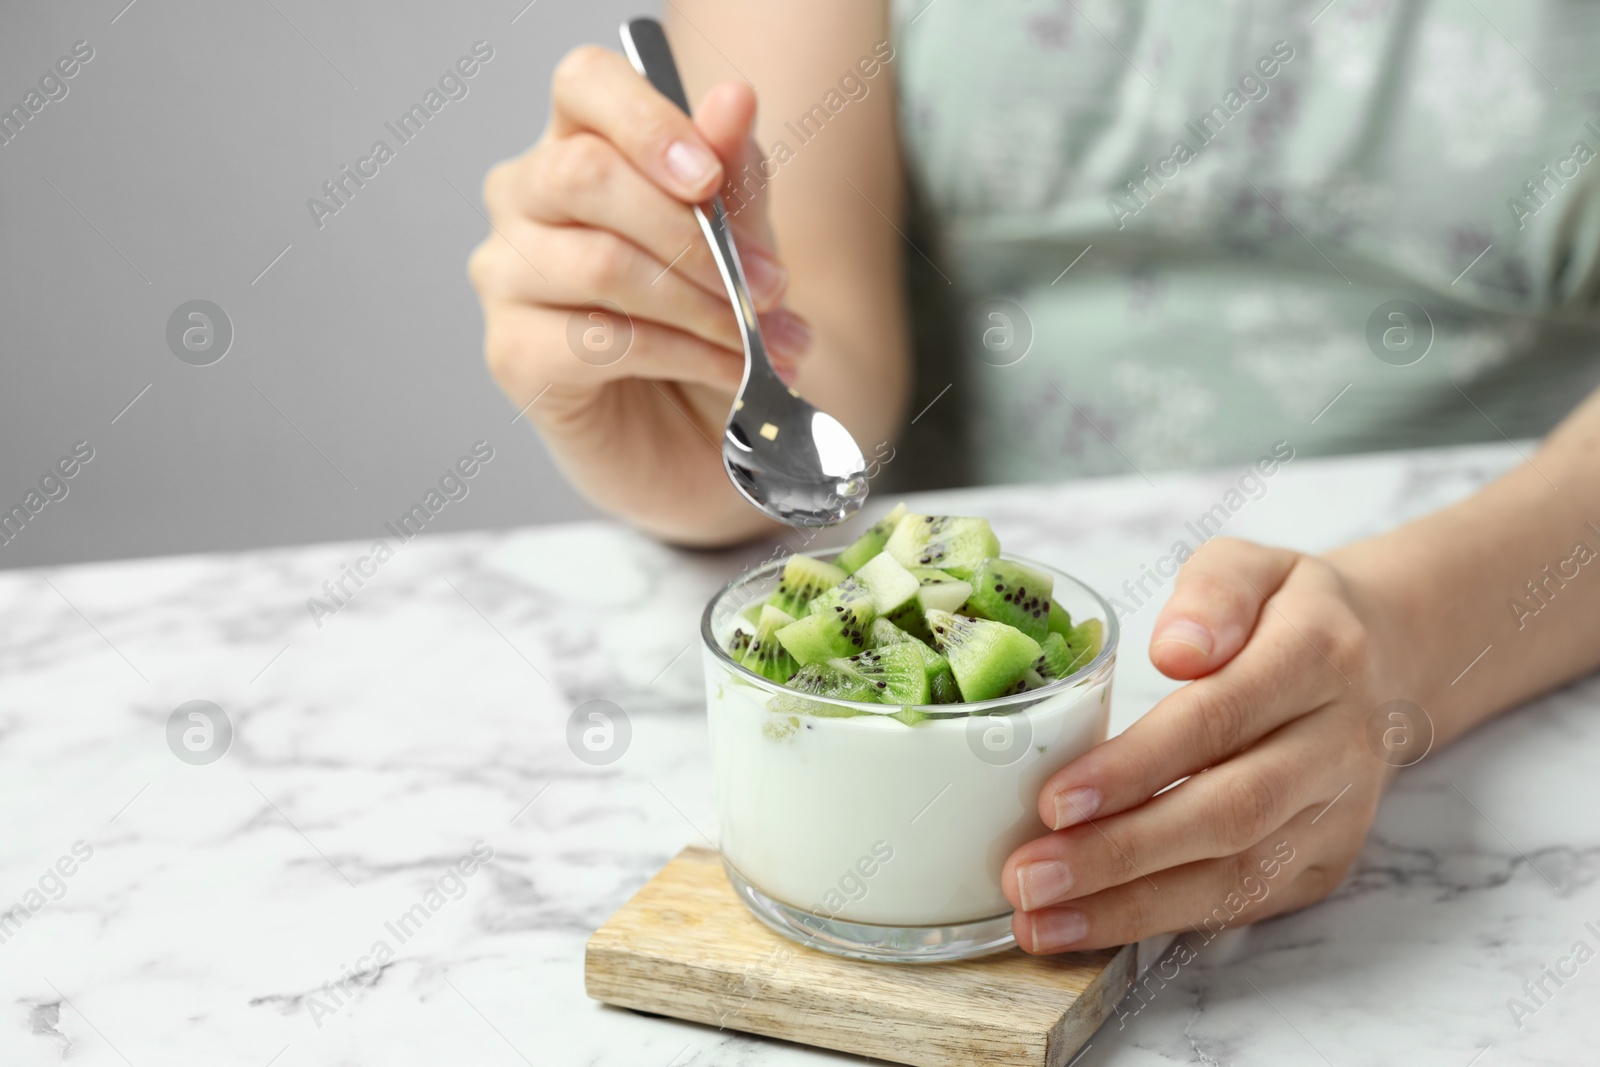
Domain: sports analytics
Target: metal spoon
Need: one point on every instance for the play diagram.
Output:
(797, 464)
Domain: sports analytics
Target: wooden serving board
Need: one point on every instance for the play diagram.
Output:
(685, 946)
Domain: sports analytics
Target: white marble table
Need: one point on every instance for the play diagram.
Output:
(371, 753)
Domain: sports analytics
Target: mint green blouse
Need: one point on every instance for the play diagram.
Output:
(1159, 234)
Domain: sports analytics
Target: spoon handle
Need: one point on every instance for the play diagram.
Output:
(646, 45)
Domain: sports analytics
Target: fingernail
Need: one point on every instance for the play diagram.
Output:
(1185, 632)
(1042, 883)
(1076, 805)
(1058, 928)
(766, 277)
(786, 333)
(690, 164)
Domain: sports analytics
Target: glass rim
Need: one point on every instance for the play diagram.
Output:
(1074, 680)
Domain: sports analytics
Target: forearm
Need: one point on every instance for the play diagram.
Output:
(1511, 575)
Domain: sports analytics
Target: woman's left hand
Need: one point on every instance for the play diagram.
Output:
(1289, 660)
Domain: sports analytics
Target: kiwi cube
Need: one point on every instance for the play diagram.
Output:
(828, 683)
(838, 632)
(851, 589)
(942, 688)
(1009, 592)
(986, 657)
(1060, 621)
(1055, 659)
(891, 585)
(947, 542)
(883, 632)
(803, 579)
(870, 543)
(1085, 642)
(897, 673)
(910, 619)
(766, 654)
(936, 589)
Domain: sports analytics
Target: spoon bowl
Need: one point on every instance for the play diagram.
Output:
(793, 462)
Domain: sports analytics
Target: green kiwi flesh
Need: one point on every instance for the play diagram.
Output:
(838, 632)
(986, 657)
(1012, 593)
(766, 654)
(948, 542)
(826, 683)
(1055, 659)
(802, 579)
(919, 610)
(1085, 642)
(942, 688)
(898, 673)
(870, 543)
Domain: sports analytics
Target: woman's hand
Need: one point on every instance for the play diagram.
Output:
(599, 210)
(1279, 785)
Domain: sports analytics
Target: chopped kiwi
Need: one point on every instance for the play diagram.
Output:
(942, 688)
(1009, 592)
(896, 672)
(889, 585)
(883, 632)
(986, 657)
(766, 654)
(802, 579)
(919, 610)
(828, 683)
(841, 631)
(909, 618)
(948, 542)
(1085, 642)
(1055, 659)
(870, 543)
(849, 589)
(936, 589)
(1030, 680)
(826, 680)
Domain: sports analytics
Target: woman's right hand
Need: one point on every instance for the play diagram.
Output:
(597, 214)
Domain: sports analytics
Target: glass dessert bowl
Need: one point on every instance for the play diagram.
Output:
(878, 830)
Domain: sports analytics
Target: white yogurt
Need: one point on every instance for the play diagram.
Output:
(868, 820)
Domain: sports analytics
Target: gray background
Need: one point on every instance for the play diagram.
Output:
(191, 142)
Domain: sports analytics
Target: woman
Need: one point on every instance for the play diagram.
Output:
(1168, 237)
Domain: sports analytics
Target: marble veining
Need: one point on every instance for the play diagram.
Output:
(231, 913)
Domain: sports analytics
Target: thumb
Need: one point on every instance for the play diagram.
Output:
(726, 118)
(1219, 596)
